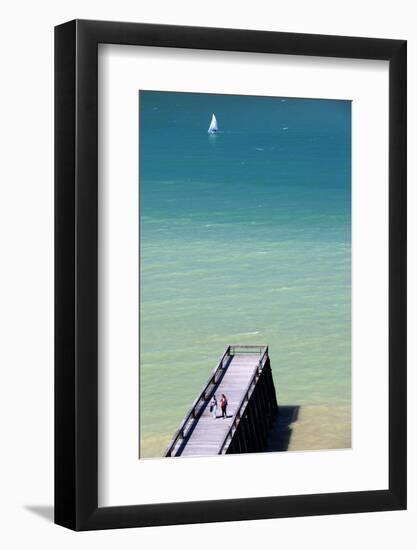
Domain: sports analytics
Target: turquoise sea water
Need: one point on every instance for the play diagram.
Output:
(245, 239)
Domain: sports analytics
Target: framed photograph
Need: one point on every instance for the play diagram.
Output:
(230, 285)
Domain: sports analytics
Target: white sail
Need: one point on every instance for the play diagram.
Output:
(213, 128)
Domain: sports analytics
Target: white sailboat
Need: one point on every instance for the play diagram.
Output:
(213, 128)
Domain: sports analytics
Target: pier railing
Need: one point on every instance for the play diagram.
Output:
(199, 403)
(246, 396)
(246, 349)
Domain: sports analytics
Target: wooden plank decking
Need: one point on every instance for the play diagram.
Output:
(209, 433)
(244, 375)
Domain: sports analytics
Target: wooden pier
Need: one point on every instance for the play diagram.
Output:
(244, 375)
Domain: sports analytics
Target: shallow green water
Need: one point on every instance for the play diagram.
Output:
(245, 238)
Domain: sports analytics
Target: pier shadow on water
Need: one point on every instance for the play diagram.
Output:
(280, 434)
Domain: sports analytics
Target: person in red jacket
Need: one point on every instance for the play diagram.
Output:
(223, 405)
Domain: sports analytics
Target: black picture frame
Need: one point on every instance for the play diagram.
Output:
(76, 272)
